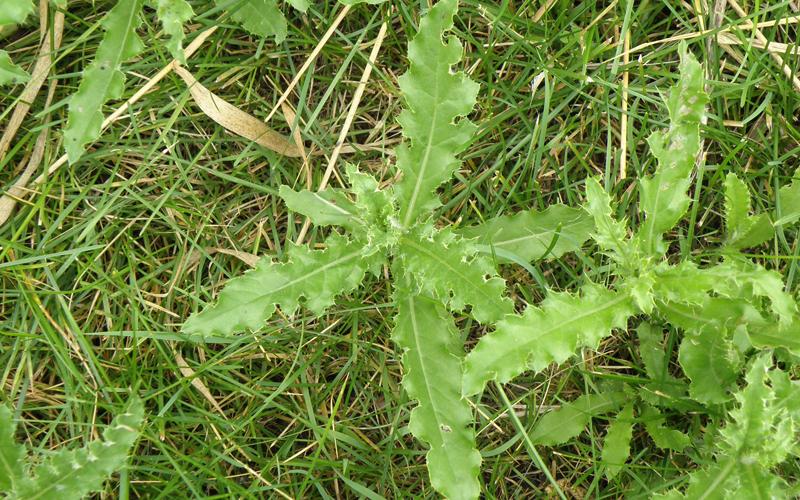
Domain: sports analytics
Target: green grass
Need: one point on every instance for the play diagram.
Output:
(99, 268)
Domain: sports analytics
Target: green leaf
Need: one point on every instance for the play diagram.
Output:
(329, 207)
(683, 283)
(774, 336)
(356, 2)
(173, 14)
(742, 279)
(432, 355)
(759, 435)
(301, 5)
(664, 389)
(15, 11)
(711, 362)
(617, 444)
(663, 195)
(743, 230)
(259, 17)
(102, 80)
(75, 473)
(450, 268)
(789, 202)
(713, 314)
(610, 234)
(663, 437)
(435, 98)
(787, 393)
(652, 351)
(10, 73)
(569, 421)
(375, 208)
(248, 301)
(12, 454)
(532, 235)
(547, 334)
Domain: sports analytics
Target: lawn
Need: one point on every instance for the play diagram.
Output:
(104, 256)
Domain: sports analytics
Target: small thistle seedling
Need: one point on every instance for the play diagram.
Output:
(433, 270)
(66, 474)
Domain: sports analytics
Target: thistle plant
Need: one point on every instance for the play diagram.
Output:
(727, 312)
(66, 474)
(434, 270)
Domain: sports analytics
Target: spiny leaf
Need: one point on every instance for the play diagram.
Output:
(716, 314)
(449, 267)
(75, 473)
(760, 435)
(102, 80)
(610, 234)
(369, 216)
(741, 279)
(663, 195)
(711, 362)
(435, 98)
(733, 279)
(567, 422)
(248, 301)
(12, 453)
(617, 444)
(743, 230)
(15, 11)
(329, 207)
(547, 334)
(173, 14)
(532, 235)
(432, 356)
(375, 208)
(10, 72)
(663, 437)
(259, 17)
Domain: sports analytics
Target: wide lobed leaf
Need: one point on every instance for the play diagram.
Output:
(435, 98)
(75, 473)
(551, 333)
(248, 301)
(432, 355)
(663, 195)
(617, 444)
